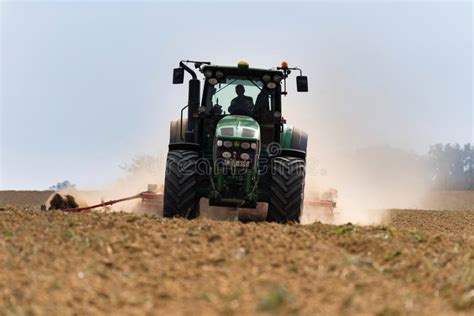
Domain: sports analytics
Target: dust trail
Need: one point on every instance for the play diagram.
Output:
(132, 184)
(369, 181)
(360, 141)
(149, 171)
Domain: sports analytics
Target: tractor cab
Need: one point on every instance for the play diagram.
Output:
(244, 91)
(241, 91)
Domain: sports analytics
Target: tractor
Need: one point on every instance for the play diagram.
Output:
(233, 145)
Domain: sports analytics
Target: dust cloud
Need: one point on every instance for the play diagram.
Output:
(367, 158)
(369, 181)
(143, 171)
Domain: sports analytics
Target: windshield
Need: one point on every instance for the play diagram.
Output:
(242, 96)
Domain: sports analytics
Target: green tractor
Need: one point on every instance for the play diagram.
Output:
(234, 147)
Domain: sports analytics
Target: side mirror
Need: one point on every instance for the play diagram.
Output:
(178, 75)
(302, 84)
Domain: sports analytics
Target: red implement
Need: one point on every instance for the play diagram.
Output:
(153, 200)
(322, 203)
(148, 198)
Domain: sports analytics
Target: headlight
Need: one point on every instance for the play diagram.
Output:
(276, 78)
(227, 144)
(226, 154)
(212, 81)
(244, 156)
(208, 73)
(254, 146)
(266, 78)
(245, 145)
(219, 74)
(219, 143)
(271, 85)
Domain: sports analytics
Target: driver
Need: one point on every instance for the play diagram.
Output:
(242, 104)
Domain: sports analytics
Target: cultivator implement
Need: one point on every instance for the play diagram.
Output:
(152, 201)
(149, 200)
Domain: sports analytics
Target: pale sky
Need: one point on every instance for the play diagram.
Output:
(85, 87)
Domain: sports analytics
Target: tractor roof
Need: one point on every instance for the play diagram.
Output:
(242, 71)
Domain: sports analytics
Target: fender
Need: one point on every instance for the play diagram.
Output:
(293, 153)
(293, 142)
(175, 133)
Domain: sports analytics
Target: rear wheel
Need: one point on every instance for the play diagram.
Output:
(179, 199)
(286, 190)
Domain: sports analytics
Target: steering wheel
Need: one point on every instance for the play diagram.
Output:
(241, 112)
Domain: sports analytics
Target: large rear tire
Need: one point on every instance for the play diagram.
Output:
(179, 199)
(286, 190)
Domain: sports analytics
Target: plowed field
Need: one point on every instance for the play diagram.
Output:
(53, 263)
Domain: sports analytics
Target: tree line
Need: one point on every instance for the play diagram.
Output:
(452, 166)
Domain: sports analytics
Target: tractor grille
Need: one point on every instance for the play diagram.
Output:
(235, 155)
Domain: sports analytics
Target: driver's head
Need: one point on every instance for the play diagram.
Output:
(239, 89)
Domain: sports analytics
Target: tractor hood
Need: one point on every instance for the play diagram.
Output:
(238, 126)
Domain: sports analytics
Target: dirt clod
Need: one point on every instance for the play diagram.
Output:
(59, 202)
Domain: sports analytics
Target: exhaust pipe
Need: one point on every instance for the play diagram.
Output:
(194, 96)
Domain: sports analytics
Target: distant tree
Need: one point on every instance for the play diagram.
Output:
(457, 176)
(469, 166)
(439, 166)
(62, 186)
(452, 166)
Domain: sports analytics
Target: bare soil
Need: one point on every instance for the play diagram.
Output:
(23, 198)
(53, 263)
(449, 200)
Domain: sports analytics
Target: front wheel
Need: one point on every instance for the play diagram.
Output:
(179, 198)
(286, 190)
